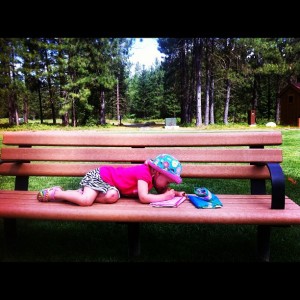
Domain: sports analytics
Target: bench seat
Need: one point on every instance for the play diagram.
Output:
(253, 156)
(237, 209)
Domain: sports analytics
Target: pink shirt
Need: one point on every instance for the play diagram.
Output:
(126, 179)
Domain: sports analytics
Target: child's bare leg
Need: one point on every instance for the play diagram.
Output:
(110, 197)
(82, 198)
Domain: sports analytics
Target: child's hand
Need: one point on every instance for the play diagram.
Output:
(170, 194)
(180, 193)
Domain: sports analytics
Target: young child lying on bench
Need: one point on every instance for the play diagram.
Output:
(107, 183)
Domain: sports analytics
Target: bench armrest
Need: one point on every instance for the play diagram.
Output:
(278, 186)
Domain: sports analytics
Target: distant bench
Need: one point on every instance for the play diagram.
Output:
(226, 155)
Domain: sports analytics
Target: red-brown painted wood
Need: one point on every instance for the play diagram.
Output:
(237, 209)
(203, 155)
(141, 154)
(94, 138)
(189, 170)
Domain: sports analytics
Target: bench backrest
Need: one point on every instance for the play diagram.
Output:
(223, 154)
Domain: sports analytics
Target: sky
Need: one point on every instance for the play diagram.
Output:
(144, 51)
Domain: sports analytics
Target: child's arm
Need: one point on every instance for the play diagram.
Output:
(146, 197)
(177, 193)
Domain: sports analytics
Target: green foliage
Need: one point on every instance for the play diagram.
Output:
(84, 79)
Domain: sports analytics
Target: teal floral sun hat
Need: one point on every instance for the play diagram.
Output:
(167, 165)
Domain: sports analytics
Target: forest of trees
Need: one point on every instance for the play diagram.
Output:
(84, 81)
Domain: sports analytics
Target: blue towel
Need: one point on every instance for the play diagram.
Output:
(214, 202)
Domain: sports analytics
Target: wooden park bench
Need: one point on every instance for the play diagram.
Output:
(226, 155)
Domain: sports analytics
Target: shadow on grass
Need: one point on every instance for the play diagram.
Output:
(56, 241)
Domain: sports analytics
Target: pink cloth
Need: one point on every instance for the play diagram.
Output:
(126, 179)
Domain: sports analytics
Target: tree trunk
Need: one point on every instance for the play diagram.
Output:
(51, 95)
(12, 109)
(25, 108)
(40, 101)
(207, 85)
(118, 103)
(51, 100)
(74, 123)
(12, 92)
(183, 83)
(102, 108)
(255, 93)
(207, 80)
(226, 106)
(62, 82)
(65, 119)
(212, 85)
(277, 108)
(212, 102)
(198, 57)
(269, 97)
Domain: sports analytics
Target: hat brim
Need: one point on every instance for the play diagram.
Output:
(172, 177)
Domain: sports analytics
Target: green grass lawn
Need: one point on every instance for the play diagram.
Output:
(57, 241)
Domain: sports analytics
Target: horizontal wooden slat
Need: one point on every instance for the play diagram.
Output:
(141, 154)
(237, 209)
(94, 138)
(192, 171)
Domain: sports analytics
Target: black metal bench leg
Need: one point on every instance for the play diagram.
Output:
(263, 242)
(133, 239)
